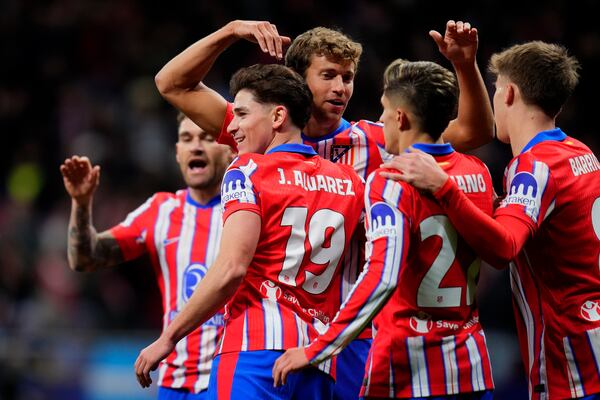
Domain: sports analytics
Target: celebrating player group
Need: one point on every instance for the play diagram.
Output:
(339, 260)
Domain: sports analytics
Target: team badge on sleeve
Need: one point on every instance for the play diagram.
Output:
(524, 191)
(237, 185)
(382, 220)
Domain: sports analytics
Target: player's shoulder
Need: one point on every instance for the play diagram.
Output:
(160, 197)
(377, 183)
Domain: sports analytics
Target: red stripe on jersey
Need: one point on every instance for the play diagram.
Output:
(227, 364)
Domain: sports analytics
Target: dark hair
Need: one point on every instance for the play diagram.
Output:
(427, 89)
(275, 84)
(334, 45)
(545, 74)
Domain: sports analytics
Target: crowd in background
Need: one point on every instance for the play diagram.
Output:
(77, 77)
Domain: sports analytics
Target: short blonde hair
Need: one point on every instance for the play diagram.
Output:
(320, 41)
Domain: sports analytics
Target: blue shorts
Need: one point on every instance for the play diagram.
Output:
(165, 393)
(249, 375)
(483, 395)
(350, 369)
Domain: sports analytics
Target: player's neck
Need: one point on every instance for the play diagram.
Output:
(204, 196)
(319, 127)
(288, 136)
(525, 127)
(414, 138)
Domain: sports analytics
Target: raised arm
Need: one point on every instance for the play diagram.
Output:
(474, 125)
(87, 249)
(180, 80)
(238, 244)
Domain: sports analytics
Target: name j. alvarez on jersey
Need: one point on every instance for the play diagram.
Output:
(317, 182)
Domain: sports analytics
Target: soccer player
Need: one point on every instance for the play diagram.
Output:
(288, 216)
(547, 226)
(420, 278)
(180, 232)
(328, 61)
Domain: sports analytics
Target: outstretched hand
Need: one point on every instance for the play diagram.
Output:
(418, 168)
(292, 360)
(80, 178)
(265, 34)
(459, 43)
(149, 358)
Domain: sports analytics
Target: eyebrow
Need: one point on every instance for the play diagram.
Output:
(241, 108)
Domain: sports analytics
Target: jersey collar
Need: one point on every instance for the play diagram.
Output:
(293, 148)
(343, 126)
(212, 202)
(553, 134)
(435, 149)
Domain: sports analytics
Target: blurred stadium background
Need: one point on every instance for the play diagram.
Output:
(76, 77)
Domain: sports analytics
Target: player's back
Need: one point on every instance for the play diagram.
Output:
(430, 326)
(309, 209)
(555, 185)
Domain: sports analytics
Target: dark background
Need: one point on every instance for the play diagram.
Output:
(76, 77)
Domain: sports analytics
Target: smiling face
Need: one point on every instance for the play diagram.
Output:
(331, 85)
(201, 159)
(252, 123)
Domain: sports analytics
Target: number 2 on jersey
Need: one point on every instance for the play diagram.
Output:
(318, 226)
(430, 294)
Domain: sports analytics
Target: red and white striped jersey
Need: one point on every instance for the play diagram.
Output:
(554, 188)
(359, 145)
(182, 238)
(419, 286)
(309, 209)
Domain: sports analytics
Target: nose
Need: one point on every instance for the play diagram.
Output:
(338, 84)
(233, 126)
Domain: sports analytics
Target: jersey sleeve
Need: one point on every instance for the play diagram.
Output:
(530, 191)
(387, 248)
(496, 240)
(224, 136)
(132, 232)
(239, 190)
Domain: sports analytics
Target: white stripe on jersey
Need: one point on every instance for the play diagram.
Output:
(594, 339)
(573, 372)
(162, 370)
(302, 329)
(477, 379)
(245, 332)
(182, 355)
(273, 325)
(208, 344)
(214, 236)
(138, 211)
(526, 314)
(161, 230)
(541, 172)
(368, 383)
(184, 255)
(450, 365)
(418, 366)
(392, 393)
(359, 162)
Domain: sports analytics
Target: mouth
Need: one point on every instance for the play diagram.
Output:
(337, 103)
(239, 139)
(197, 165)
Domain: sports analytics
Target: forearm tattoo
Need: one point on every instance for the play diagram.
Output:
(88, 250)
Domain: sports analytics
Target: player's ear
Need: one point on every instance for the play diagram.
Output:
(280, 114)
(402, 119)
(177, 152)
(510, 93)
